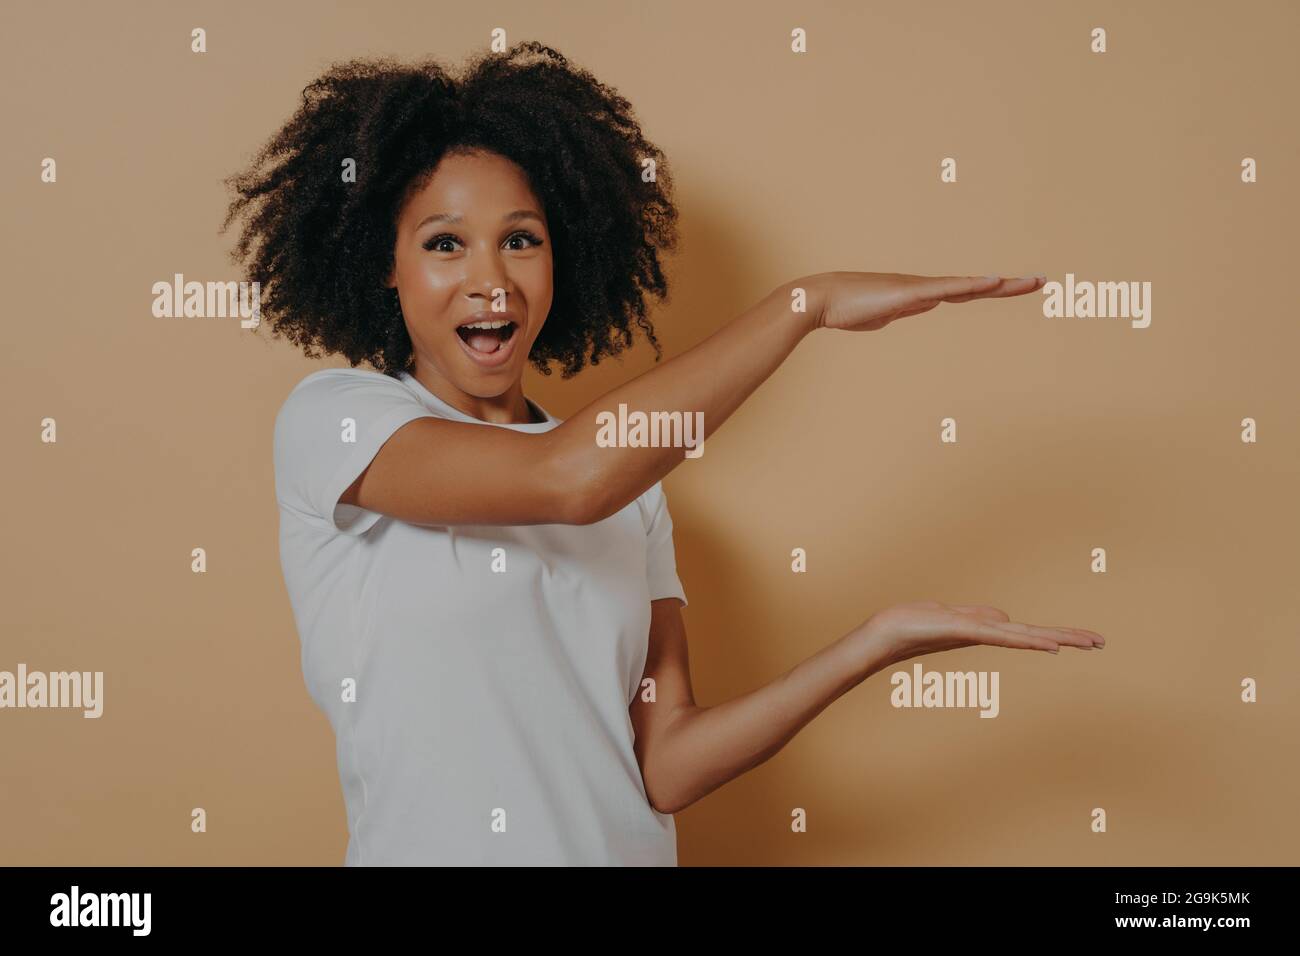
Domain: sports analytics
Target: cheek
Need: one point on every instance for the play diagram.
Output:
(434, 279)
(536, 281)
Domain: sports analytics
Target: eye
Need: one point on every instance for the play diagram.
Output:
(533, 240)
(431, 244)
(435, 240)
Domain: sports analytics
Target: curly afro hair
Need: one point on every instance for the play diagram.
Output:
(321, 247)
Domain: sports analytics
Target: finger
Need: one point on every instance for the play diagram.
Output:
(997, 634)
(1096, 638)
(1091, 636)
(927, 296)
(948, 288)
(1017, 285)
(1062, 635)
(993, 613)
(988, 287)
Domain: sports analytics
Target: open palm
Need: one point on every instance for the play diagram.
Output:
(866, 301)
(927, 627)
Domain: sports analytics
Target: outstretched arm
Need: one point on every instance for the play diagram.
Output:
(686, 751)
(438, 472)
(717, 375)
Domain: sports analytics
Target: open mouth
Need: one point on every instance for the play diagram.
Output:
(486, 340)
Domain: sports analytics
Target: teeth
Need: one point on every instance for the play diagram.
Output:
(494, 324)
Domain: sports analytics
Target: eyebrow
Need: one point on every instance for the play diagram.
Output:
(455, 219)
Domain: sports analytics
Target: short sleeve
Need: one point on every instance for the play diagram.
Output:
(661, 557)
(327, 432)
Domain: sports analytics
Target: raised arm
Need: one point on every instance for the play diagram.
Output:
(433, 471)
(714, 378)
(438, 472)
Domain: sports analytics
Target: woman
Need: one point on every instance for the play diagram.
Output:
(491, 616)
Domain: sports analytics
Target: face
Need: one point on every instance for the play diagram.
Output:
(473, 247)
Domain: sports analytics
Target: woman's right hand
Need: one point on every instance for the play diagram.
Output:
(927, 627)
(866, 301)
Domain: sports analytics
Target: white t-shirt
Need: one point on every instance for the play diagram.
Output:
(490, 723)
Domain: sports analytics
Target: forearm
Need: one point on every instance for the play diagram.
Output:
(704, 747)
(714, 377)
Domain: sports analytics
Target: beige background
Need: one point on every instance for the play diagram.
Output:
(1074, 434)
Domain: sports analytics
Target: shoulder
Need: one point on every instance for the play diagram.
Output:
(349, 379)
(330, 386)
(324, 400)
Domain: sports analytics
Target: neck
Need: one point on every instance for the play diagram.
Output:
(508, 408)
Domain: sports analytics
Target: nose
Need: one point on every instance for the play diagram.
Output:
(484, 275)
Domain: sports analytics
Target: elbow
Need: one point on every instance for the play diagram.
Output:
(660, 803)
(582, 498)
(584, 508)
(667, 789)
(664, 795)
(592, 500)
(596, 500)
(578, 507)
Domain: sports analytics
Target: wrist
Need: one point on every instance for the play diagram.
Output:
(864, 653)
(801, 302)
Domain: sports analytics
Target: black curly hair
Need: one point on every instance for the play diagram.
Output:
(321, 247)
